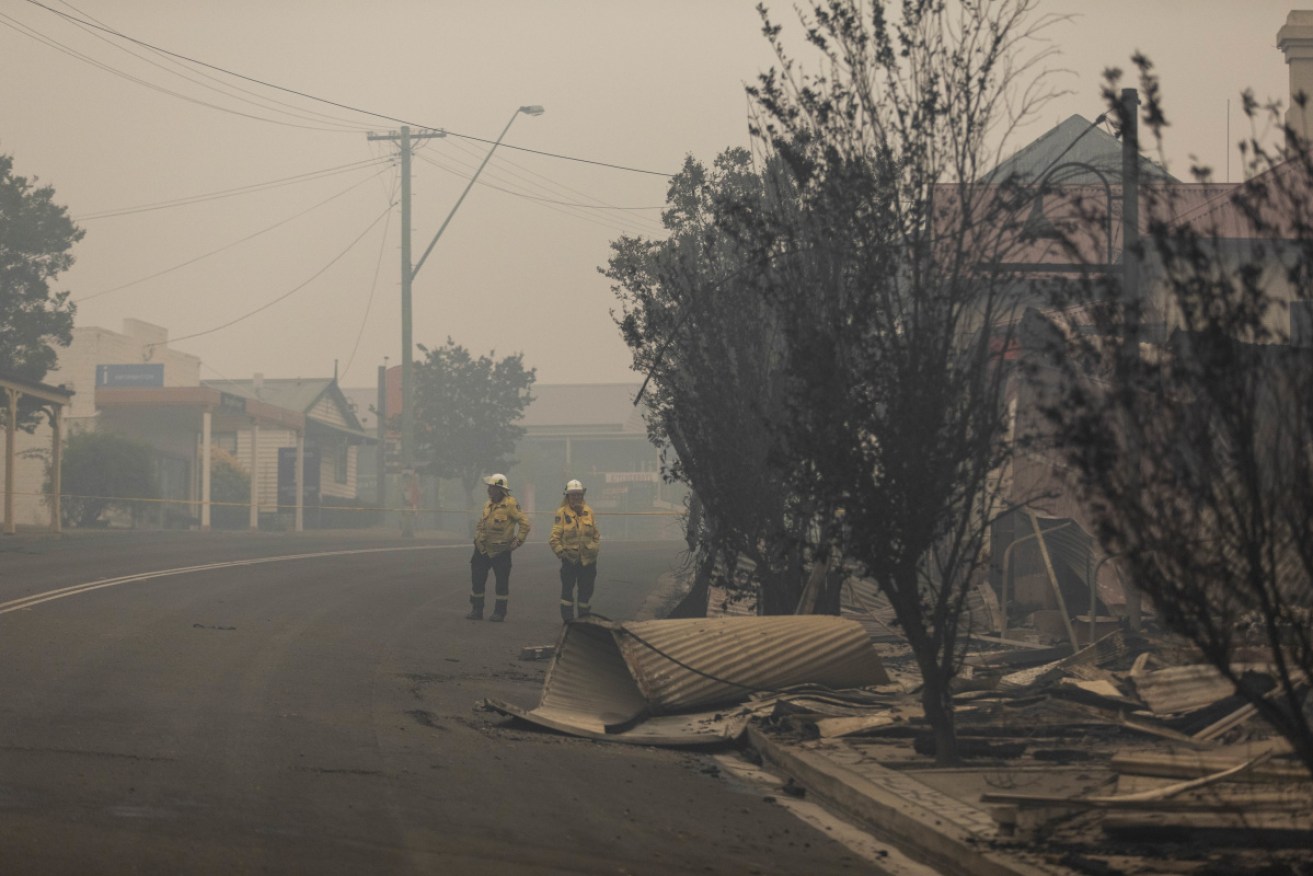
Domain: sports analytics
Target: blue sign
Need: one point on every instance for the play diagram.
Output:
(151, 374)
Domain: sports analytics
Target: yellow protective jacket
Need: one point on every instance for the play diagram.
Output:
(575, 536)
(496, 532)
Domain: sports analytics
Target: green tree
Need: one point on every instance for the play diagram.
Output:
(710, 343)
(35, 238)
(230, 488)
(465, 412)
(103, 471)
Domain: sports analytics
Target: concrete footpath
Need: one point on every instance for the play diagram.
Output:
(941, 830)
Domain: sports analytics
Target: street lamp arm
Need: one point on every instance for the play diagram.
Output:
(527, 110)
(1052, 172)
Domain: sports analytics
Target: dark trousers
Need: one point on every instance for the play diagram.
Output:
(583, 577)
(500, 566)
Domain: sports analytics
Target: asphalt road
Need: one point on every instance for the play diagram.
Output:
(307, 704)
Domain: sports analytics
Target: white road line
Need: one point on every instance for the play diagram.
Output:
(88, 586)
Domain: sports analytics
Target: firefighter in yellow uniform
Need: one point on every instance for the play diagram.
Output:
(576, 541)
(502, 528)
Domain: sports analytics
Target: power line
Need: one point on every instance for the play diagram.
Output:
(220, 87)
(561, 203)
(548, 184)
(661, 173)
(604, 223)
(228, 193)
(373, 287)
(334, 103)
(228, 246)
(290, 292)
(567, 206)
(22, 28)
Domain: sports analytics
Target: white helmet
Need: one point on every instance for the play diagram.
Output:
(574, 487)
(497, 480)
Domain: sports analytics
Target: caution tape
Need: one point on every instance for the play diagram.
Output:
(369, 509)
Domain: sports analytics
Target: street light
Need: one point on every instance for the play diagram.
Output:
(407, 280)
(534, 110)
(1038, 225)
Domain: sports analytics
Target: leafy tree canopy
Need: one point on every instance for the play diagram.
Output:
(466, 409)
(36, 235)
(230, 489)
(698, 324)
(836, 301)
(229, 480)
(102, 471)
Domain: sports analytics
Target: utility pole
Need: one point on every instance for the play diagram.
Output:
(408, 272)
(1133, 302)
(1131, 204)
(404, 138)
(381, 409)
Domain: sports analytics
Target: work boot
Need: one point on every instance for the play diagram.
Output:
(497, 617)
(474, 614)
(567, 612)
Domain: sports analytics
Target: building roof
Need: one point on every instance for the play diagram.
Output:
(1268, 206)
(606, 407)
(55, 394)
(1075, 140)
(296, 394)
(299, 394)
(1076, 208)
(231, 411)
(364, 402)
(556, 407)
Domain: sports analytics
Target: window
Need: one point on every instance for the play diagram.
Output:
(341, 460)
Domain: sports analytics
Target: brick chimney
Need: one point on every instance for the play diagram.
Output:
(1295, 40)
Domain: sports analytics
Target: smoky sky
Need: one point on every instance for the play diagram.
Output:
(265, 224)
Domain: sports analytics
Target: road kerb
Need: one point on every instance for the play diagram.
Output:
(923, 834)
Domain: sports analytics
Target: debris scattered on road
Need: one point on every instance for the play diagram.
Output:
(537, 652)
(1075, 732)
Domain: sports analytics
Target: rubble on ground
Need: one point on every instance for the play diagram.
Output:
(1114, 757)
(1127, 754)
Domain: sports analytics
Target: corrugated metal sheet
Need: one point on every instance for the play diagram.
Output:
(1109, 649)
(686, 730)
(1181, 688)
(733, 591)
(628, 681)
(723, 602)
(684, 664)
(862, 600)
(589, 677)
